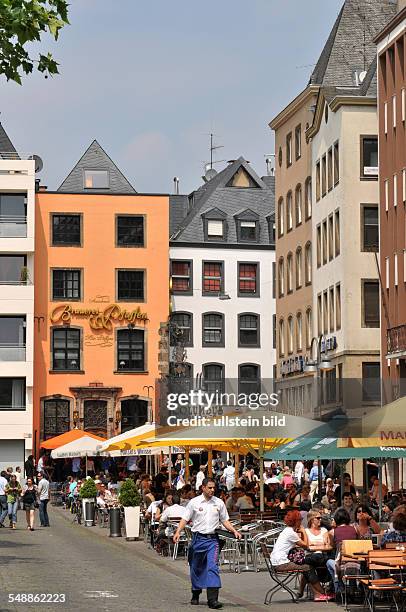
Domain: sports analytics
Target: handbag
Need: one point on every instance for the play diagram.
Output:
(297, 555)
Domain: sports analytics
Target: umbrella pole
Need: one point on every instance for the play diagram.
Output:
(342, 463)
(187, 464)
(236, 468)
(210, 462)
(261, 479)
(170, 467)
(401, 473)
(86, 466)
(380, 490)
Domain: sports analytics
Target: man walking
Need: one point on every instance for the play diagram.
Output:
(3, 498)
(43, 494)
(314, 479)
(207, 513)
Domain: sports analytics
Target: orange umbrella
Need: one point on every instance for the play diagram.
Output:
(69, 436)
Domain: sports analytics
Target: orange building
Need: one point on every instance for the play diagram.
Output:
(101, 278)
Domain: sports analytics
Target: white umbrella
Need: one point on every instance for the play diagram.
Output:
(84, 447)
(144, 430)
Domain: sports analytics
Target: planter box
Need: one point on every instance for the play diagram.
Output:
(132, 522)
(89, 511)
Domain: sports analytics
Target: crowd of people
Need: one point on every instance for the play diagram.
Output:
(30, 495)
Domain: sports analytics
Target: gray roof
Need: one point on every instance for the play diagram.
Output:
(344, 52)
(6, 146)
(96, 158)
(231, 201)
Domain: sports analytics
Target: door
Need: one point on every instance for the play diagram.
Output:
(95, 417)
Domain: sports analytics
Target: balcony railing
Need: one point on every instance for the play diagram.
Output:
(13, 227)
(396, 339)
(12, 352)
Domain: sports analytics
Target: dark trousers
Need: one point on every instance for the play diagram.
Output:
(43, 513)
(3, 508)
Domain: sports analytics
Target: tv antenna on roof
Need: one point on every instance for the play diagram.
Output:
(213, 148)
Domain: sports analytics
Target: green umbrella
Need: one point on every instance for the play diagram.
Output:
(327, 448)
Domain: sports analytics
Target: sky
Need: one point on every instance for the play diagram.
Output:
(151, 79)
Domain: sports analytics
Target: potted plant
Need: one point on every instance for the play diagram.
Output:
(88, 493)
(130, 499)
(24, 275)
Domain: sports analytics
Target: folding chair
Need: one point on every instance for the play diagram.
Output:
(352, 574)
(378, 561)
(281, 579)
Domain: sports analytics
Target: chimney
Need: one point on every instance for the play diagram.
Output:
(176, 185)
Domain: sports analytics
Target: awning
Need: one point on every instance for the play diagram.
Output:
(69, 436)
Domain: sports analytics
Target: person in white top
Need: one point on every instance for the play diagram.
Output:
(206, 513)
(299, 471)
(17, 474)
(43, 494)
(173, 511)
(229, 476)
(200, 477)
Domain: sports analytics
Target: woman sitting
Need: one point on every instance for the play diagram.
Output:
(294, 536)
(292, 497)
(398, 534)
(342, 531)
(319, 544)
(364, 524)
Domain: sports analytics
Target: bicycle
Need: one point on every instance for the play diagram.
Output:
(76, 509)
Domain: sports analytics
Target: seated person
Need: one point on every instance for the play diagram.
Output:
(364, 523)
(398, 533)
(244, 502)
(232, 500)
(342, 531)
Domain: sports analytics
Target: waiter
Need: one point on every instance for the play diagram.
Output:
(207, 513)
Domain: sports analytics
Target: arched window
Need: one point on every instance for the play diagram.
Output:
(289, 272)
(298, 205)
(281, 225)
(213, 329)
(290, 335)
(289, 212)
(56, 417)
(281, 277)
(249, 380)
(248, 329)
(281, 339)
(298, 267)
(309, 327)
(213, 374)
(299, 332)
(182, 329)
(308, 198)
(308, 263)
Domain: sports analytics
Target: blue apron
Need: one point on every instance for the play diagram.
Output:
(203, 561)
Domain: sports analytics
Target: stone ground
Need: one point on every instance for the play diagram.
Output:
(96, 572)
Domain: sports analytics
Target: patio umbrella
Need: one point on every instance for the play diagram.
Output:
(112, 444)
(69, 436)
(382, 426)
(82, 447)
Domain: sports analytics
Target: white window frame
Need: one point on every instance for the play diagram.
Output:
(404, 185)
(404, 104)
(387, 271)
(396, 268)
(385, 110)
(395, 190)
(386, 195)
(394, 110)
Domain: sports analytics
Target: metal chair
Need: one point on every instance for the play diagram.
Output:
(282, 579)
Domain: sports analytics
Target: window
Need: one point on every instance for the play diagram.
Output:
(131, 350)
(395, 190)
(247, 231)
(299, 332)
(248, 330)
(323, 176)
(403, 105)
(280, 218)
(385, 109)
(290, 335)
(318, 231)
(370, 228)
(66, 230)
(181, 329)
(134, 413)
(96, 179)
(331, 305)
(12, 269)
(308, 198)
(289, 271)
(395, 261)
(370, 316)
(369, 157)
(213, 374)
(273, 280)
(281, 280)
(56, 417)
(13, 207)
(289, 150)
(248, 279)
(289, 212)
(249, 380)
(371, 382)
(213, 281)
(309, 327)
(325, 312)
(130, 285)
(181, 277)
(387, 195)
(404, 185)
(337, 245)
(66, 349)
(336, 163)
(319, 315)
(308, 264)
(298, 205)
(387, 269)
(12, 338)
(213, 329)
(324, 242)
(338, 306)
(66, 284)
(215, 229)
(317, 181)
(281, 338)
(298, 142)
(273, 331)
(130, 231)
(330, 169)
(12, 394)
(394, 111)
(330, 237)
(298, 268)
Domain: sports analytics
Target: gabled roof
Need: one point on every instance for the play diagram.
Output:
(345, 51)
(231, 201)
(247, 213)
(96, 158)
(6, 146)
(214, 213)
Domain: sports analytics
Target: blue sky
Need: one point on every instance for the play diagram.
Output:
(150, 79)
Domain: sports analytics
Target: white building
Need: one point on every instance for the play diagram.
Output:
(17, 219)
(222, 273)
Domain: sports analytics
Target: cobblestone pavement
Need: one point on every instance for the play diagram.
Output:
(96, 572)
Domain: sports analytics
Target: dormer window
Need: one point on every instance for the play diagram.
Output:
(215, 229)
(96, 179)
(214, 224)
(247, 231)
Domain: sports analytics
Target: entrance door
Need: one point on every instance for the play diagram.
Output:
(134, 413)
(95, 414)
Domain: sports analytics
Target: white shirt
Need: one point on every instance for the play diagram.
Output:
(316, 540)
(40, 465)
(174, 511)
(229, 473)
(3, 482)
(199, 479)
(43, 489)
(206, 514)
(285, 542)
(152, 508)
(132, 464)
(299, 469)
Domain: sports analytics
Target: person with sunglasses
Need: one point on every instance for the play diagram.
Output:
(206, 512)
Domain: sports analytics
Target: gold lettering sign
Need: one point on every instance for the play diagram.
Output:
(98, 319)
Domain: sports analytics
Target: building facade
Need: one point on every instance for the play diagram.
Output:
(391, 44)
(102, 295)
(17, 234)
(222, 263)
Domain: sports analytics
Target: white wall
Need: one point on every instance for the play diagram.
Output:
(264, 305)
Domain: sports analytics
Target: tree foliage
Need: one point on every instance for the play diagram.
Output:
(23, 22)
